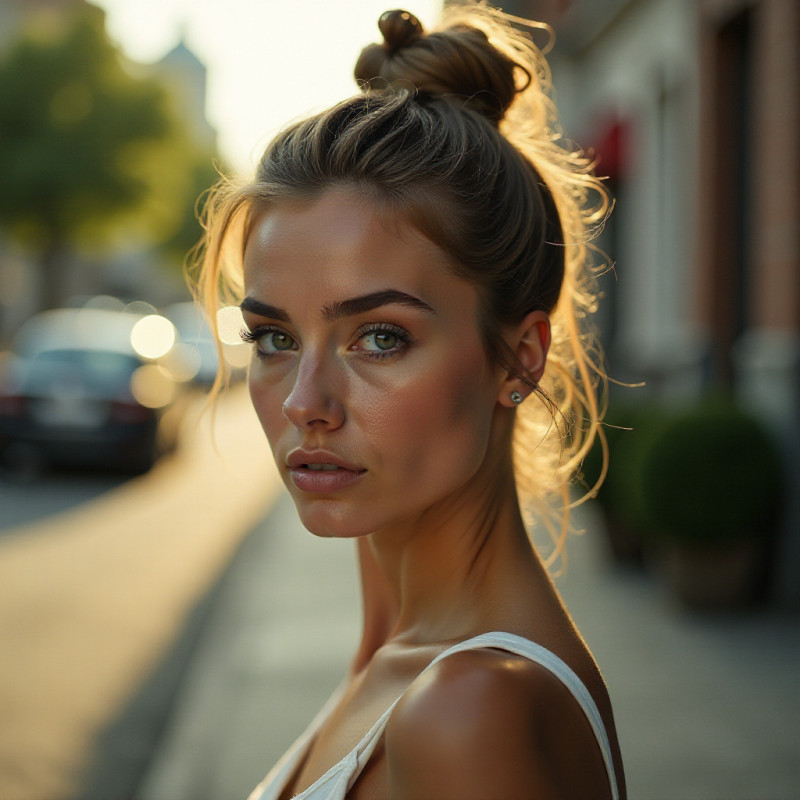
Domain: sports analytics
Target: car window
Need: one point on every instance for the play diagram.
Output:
(95, 370)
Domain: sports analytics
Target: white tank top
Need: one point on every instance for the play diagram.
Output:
(339, 779)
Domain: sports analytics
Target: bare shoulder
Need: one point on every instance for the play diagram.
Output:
(485, 723)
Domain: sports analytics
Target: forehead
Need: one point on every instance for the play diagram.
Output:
(342, 244)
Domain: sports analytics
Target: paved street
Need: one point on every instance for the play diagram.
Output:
(92, 599)
(708, 708)
(23, 501)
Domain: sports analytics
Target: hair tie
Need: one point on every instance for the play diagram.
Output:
(399, 29)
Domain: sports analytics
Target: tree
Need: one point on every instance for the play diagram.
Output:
(203, 171)
(75, 128)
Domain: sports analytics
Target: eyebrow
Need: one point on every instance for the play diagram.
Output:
(263, 309)
(369, 302)
(343, 308)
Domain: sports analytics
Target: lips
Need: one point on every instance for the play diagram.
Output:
(321, 472)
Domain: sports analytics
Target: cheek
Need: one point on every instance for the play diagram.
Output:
(435, 427)
(268, 405)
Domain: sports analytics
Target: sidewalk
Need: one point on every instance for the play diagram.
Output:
(708, 708)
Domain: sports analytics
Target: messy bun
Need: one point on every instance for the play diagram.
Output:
(457, 62)
(456, 132)
(399, 29)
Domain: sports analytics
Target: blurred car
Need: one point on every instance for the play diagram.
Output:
(76, 391)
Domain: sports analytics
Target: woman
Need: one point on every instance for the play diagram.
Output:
(412, 266)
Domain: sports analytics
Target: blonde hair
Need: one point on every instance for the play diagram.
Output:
(456, 131)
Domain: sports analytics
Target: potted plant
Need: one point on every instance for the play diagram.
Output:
(709, 482)
(628, 430)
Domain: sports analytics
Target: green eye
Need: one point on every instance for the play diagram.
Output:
(281, 341)
(272, 342)
(383, 340)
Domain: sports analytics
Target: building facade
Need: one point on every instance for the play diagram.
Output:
(693, 110)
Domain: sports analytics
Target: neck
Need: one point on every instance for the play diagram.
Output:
(450, 568)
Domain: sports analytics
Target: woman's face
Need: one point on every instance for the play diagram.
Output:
(368, 372)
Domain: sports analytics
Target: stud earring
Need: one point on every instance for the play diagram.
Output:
(516, 398)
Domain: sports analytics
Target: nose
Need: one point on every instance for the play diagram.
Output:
(314, 401)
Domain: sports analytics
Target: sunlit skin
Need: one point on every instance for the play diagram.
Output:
(415, 416)
(367, 358)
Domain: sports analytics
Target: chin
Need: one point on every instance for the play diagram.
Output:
(323, 519)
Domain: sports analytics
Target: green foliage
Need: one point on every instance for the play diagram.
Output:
(626, 501)
(628, 430)
(73, 118)
(198, 174)
(709, 474)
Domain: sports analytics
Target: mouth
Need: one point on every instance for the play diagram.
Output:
(320, 472)
(315, 478)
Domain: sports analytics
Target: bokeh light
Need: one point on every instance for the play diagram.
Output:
(229, 324)
(153, 336)
(141, 307)
(151, 386)
(182, 362)
(236, 355)
(106, 302)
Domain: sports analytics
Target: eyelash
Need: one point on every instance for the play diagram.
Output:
(252, 337)
(404, 337)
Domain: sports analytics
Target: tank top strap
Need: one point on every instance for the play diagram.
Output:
(520, 646)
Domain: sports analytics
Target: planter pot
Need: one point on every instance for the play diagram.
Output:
(716, 577)
(624, 541)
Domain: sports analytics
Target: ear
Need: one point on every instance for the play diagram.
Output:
(530, 342)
